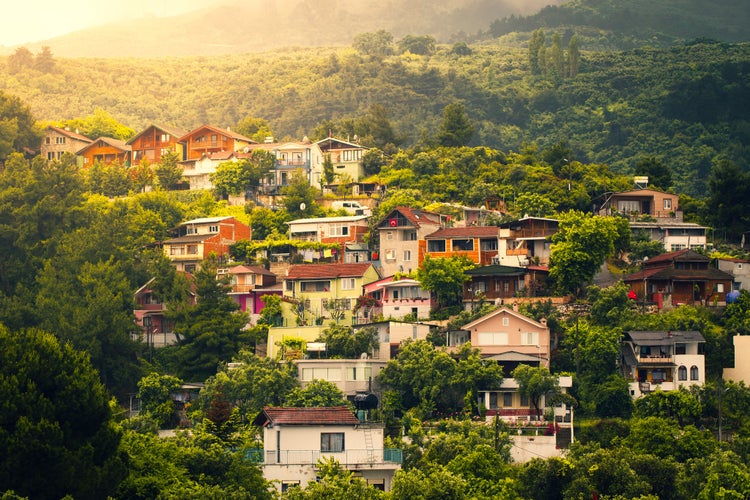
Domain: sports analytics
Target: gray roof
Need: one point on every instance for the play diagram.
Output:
(664, 337)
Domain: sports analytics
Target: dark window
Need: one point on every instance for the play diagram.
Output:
(694, 373)
(507, 399)
(332, 442)
(463, 245)
(679, 348)
(436, 245)
(682, 373)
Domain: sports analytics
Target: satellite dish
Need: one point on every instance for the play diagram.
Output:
(302, 206)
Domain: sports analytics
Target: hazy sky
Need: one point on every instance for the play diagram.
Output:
(26, 21)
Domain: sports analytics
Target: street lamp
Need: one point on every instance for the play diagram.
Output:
(570, 173)
(645, 284)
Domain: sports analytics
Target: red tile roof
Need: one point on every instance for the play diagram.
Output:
(72, 135)
(466, 232)
(416, 216)
(250, 270)
(328, 415)
(315, 271)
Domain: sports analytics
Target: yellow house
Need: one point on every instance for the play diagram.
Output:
(320, 293)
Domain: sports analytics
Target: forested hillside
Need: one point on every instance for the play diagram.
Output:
(686, 105)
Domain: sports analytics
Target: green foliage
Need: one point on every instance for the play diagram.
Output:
(99, 124)
(299, 197)
(680, 405)
(17, 130)
(315, 394)
(665, 438)
(343, 341)
(255, 383)
(211, 331)
(580, 247)
(268, 224)
(168, 173)
(445, 277)
(236, 177)
(611, 307)
(256, 129)
(456, 129)
(379, 43)
(154, 391)
(56, 430)
(336, 483)
(535, 382)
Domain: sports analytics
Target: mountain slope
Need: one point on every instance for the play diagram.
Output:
(262, 25)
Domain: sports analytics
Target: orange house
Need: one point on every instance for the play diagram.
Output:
(105, 150)
(207, 139)
(478, 243)
(154, 141)
(197, 239)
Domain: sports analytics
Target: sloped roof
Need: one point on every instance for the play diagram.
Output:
(320, 271)
(173, 131)
(339, 143)
(191, 238)
(115, 143)
(250, 269)
(327, 415)
(329, 220)
(416, 216)
(205, 220)
(503, 310)
(685, 254)
(660, 337)
(465, 232)
(211, 128)
(72, 135)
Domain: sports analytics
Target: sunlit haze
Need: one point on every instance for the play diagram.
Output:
(28, 21)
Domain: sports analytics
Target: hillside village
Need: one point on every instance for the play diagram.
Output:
(216, 312)
(345, 276)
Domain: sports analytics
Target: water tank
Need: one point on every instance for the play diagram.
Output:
(365, 401)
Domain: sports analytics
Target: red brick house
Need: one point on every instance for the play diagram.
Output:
(478, 243)
(197, 239)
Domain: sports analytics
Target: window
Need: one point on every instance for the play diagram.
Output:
(47, 140)
(627, 206)
(339, 230)
(59, 140)
(410, 235)
(389, 235)
(358, 373)
(493, 400)
(658, 376)
(462, 245)
(407, 255)
(348, 283)
(192, 249)
(332, 442)
(680, 349)
(694, 375)
(285, 485)
(507, 399)
(529, 338)
(719, 288)
(51, 155)
(314, 286)
(490, 338)
(682, 373)
(667, 203)
(524, 400)
(506, 321)
(177, 250)
(390, 254)
(436, 245)
(329, 374)
(213, 229)
(488, 245)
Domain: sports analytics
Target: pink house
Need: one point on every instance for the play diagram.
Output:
(249, 284)
(396, 298)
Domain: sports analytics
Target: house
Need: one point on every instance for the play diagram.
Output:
(506, 336)
(105, 150)
(740, 372)
(345, 156)
(494, 283)
(249, 284)
(400, 232)
(302, 335)
(58, 141)
(197, 239)
(156, 330)
(525, 241)
(392, 334)
(198, 171)
(637, 203)
(351, 376)
(316, 292)
(662, 360)
(295, 439)
(291, 157)
(674, 235)
(396, 298)
(530, 438)
(153, 142)
(478, 243)
(739, 269)
(208, 139)
(349, 232)
(682, 277)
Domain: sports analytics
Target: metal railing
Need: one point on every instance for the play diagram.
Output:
(345, 458)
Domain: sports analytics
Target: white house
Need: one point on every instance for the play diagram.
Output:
(663, 360)
(295, 439)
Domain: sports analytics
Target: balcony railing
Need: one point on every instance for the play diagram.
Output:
(656, 360)
(311, 457)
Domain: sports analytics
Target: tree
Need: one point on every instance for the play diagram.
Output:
(729, 189)
(168, 173)
(680, 405)
(316, 393)
(445, 277)
(56, 429)
(328, 173)
(579, 249)
(373, 160)
(535, 382)
(376, 128)
(611, 306)
(574, 56)
(100, 124)
(45, 61)
(299, 196)
(256, 129)
(21, 59)
(533, 204)
(456, 128)
(343, 341)
(659, 174)
(154, 391)
(268, 224)
(379, 43)
(536, 45)
(211, 331)
(422, 45)
(335, 483)
(17, 130)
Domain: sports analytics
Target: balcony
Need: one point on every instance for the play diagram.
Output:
(293, 164)
(656, 360)
(349, 458)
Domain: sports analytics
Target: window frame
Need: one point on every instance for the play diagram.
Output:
(329, 442)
